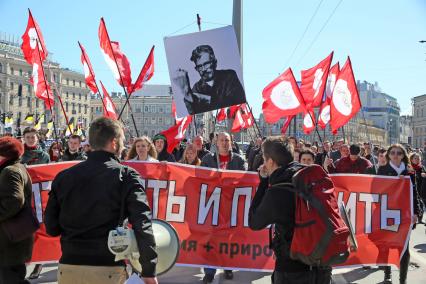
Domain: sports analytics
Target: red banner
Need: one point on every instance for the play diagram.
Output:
(209, 210)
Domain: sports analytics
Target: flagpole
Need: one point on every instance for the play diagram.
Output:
(121, 78)
(255, 122)
(47, 89)
(133, 86)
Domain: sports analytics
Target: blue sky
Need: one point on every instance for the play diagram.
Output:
(381, 37)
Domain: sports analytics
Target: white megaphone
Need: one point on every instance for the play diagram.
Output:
(122, 243)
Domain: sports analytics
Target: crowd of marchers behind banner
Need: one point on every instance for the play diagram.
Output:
(222, 152)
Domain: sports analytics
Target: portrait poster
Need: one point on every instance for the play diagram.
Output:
(205, 70)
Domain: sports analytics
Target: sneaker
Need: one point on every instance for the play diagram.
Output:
(229, 274)
(208, 278)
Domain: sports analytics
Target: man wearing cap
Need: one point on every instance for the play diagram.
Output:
(160, 143)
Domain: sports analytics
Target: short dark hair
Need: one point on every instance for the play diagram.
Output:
(279, 150)
(196, 53)
(306, 152)
(382, 151)
(354, 149)
(75, 136)
(102, 130)
(29, 130)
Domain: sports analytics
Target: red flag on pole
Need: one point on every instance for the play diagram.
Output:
(89, 75)
(221, 115)
(282, 97)
(314, 81)
(109, 107)
(176, 133)
(116, 60)
(41, 87)
(309, 121)
(243, 119)
(345, 102)
(146, 73)
(287, 121)
(30, 39)
(324, 116)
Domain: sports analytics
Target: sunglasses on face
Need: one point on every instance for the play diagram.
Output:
(398, 153)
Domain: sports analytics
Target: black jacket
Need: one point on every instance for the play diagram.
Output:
(84, 205)
(77, 156)
(387, 170)
(277, 206)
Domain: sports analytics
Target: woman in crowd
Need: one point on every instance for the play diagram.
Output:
(399, 165)
(55, 151)
(142, 150)
(15, 193)
(160, 143)
(416, 163)
(190, 156)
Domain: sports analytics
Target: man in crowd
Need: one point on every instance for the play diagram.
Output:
(354, 163)
(225, 159)
(368, 153)
(160, 143)
(277, 206)
(344, 151)
(335, 153)
(33, 153)
(253, 152)
(320, 158)
(85, 204)
(306, 157)
(73, 152)
(199, 145)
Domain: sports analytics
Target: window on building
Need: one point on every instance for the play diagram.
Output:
(29, 89)
(73, 96)
(73, 82)
(66, 106)
(85, 109)
(1, 68)
(12, 72)
(30, 73)
(29, 102)
(67, 95)
(20, 72)
(146, 109)
(79, 96)
(19, 101)
(11, 86)
(152, 133)
(79, 83)
(160, 120)
(37, 103)
(160, 109)
(145, 121)
(152, 120)
(68, 81)
(11, 100)
(79, 108)
(85, 97)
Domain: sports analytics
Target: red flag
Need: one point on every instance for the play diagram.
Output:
(221, 115)
(345, 102)
(309, 121)
(109, 107)
(314, 81)
(176, 133)
(116, 60)
(324, 116)
(30, 38)
(232, 110)
(282, 97)
(174, 109)
(88, 70)
(146, 73)
(287, 121)
(238, 122)
(243, 119)
(41, 87)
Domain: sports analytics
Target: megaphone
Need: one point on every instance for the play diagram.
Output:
(122, 243)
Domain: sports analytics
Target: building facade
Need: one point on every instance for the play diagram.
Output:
(405, 129)
(17, 98)
(419, 121)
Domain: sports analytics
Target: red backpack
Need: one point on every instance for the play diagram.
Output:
(321, 237)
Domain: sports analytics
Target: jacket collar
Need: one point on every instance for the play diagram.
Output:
(284, 174)
(8, 163)
(102, 156)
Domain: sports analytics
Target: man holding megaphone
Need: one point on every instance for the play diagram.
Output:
(85, 204)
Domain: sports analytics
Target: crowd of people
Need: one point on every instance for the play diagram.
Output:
(219, 151)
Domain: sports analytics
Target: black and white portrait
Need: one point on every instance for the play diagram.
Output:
(205, 71)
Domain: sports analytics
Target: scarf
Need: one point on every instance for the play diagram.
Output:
(399, 169)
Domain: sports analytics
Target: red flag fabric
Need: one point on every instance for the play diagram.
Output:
(31, 37)
(282, 97)
(221, 115)
(324, 116)
(238, 122)
(314, 81)
(174, 109)
(243, 119)
(41, 87)
(345, 102)
(309, 122)
(287, 121)
(232, 110)
(89, 75)
(116, 60)
(109, 107)
(146, 73)
(176, 133)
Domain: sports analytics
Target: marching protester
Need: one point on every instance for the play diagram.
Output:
(416, 163)
(368, 153)
(85, 204)
(33, 153)
(320, 158)
(142, 150)
(199, 144)
(277, 206)
(399, 165)
(335, 153)
(354, 163)
(160, 142)
(253, 152)
(224, 159)
(190, 155)
(55, 151)
(306, 157)
(73, 152)
(178, 150)
(15, 196)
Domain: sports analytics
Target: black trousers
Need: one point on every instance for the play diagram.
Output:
(403, 266)
(13, 274)
(314, 276)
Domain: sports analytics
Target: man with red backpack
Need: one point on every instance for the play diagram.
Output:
(300, 256)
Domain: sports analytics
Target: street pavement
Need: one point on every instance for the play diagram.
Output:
(190, 275)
